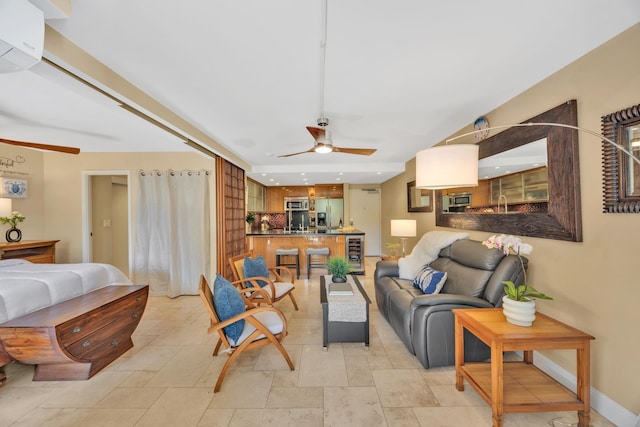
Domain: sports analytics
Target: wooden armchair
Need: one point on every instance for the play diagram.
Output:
(263, 326)
(276, 287)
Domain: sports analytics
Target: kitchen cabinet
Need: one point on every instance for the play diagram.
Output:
(276, 195)
(329, 191)
(255, 196)
(529, 186)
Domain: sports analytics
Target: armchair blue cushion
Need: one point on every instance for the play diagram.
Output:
(256, 267)
(228, 303)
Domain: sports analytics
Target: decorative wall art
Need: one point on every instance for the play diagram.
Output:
(14, 188)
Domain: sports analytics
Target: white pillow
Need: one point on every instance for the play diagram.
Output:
(430, 281)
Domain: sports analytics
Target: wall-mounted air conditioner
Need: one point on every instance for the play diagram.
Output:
(21, 35)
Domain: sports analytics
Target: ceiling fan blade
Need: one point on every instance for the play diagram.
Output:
(316, 133)
(360, 151)
(310, 150)
(59, 148)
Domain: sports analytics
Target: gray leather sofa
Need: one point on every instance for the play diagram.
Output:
(425, 323)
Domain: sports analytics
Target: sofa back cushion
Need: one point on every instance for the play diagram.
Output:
(469, 266)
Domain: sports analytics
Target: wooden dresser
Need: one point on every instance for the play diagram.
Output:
(38, 251)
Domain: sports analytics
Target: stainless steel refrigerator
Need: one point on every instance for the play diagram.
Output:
(334, 208)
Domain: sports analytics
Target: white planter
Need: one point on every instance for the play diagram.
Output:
(521, 313)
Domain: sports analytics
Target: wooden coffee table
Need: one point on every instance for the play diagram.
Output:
(520, 386)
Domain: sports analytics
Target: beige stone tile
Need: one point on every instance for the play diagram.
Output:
(131, 398)
(72, 417)
(352, 406)
(16, 402)
(246, 418)
(286, 378)
(149, 358)
(35, 418)
(305, 331)
(453, 417)
(184, 369)
(295, 397)
(320, 367)
(439, 376)
(243, 389)
(307, 417)
(358, 372)
(270, 359)
(400, 417)
(448, 395)
(402, 388)
(86, 394)
(216, 418)
(177, 407)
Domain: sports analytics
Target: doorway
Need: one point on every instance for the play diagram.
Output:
(364, 208)
(107, 218)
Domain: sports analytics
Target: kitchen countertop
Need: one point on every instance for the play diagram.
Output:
(281, 232)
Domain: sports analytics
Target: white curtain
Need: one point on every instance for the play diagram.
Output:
(172, 245)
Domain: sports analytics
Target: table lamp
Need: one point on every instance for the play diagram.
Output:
(403, 228)
(5, 207)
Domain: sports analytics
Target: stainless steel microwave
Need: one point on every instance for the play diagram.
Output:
(460, 199)
(296, 204)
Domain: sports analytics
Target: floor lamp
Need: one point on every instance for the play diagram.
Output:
(456, 165)
(403, 228)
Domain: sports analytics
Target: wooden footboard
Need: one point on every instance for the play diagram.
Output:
(75, 339)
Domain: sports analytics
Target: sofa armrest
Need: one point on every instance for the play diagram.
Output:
(449, 299)
(387, 268)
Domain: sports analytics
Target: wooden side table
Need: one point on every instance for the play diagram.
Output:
(520, 386)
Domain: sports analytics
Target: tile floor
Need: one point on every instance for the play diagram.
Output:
(167, 379)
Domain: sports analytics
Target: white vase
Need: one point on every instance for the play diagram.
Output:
(521, 313)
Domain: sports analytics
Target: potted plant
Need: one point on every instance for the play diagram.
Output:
(249, 219)
(13, 220)
(519, 306)
(339, 267)
(393, 248)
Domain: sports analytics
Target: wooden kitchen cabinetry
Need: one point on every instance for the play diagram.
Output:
(329, 191)
(37, 251)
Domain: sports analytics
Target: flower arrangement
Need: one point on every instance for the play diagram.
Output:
(508, 244)
(13, 220)
(265, 219)
(250, 218)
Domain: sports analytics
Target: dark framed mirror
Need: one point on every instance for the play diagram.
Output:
(621, 175)
(419, 199)
(562, 219)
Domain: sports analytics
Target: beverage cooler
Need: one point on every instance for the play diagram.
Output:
(355, 253)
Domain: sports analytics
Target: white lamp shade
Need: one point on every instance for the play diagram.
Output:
(403, 227)
(447, 166)
(5, 207)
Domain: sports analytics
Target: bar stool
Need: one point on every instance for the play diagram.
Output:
(316, 252)
(288, 253)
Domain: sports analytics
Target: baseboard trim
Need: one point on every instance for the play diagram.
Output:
(600, 402)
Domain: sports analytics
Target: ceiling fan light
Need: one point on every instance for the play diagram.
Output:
(323, 149)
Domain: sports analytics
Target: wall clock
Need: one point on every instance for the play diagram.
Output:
(481, 124)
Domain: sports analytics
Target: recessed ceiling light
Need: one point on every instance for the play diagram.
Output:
(271, 179)
(379, 173)
(341, 173)
(301, 173)
(264, 174)
(337, 179)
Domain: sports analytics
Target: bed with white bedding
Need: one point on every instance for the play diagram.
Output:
(26, 287)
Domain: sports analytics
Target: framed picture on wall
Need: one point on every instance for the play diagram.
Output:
(14, 188)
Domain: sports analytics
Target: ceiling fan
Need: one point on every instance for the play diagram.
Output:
(58, 148)
(322, 136)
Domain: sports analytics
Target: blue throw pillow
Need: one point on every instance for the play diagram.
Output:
(256, 267)
(430, 281)
(228, 302)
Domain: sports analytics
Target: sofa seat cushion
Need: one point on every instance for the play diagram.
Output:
(400, 313)
(385, 286)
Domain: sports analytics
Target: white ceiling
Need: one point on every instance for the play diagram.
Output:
(400, 75)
